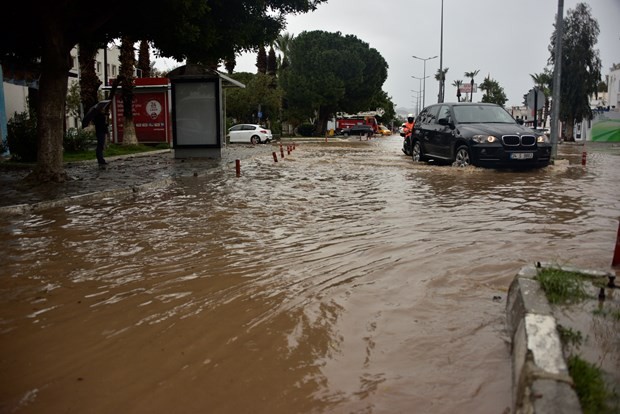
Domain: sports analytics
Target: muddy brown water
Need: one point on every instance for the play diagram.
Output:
(342, 279)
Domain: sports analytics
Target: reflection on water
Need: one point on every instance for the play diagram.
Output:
(343, 279)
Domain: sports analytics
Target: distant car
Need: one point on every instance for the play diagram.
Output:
(360, 129)
(249, 133)
(480, 134)
(384, 131)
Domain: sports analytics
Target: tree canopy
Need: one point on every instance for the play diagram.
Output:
(43, 33)
(581, 65)
(242, 104)
(330, 73)
(493, 92)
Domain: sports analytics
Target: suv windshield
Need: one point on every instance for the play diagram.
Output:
(474, 114)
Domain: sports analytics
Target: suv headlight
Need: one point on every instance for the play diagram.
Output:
(542, 139)
(484, 139)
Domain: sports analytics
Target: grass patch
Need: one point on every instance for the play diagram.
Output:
(570, 337)
(111, 151)
(590, 386)
(562, 287)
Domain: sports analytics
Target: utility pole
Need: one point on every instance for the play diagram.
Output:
(557, 76)
(442, 81)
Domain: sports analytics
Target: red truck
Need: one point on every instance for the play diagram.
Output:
(350, 120)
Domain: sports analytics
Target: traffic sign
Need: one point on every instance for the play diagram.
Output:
(535, 102)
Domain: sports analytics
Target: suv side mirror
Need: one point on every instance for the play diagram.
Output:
(520, 121)
(446, 122)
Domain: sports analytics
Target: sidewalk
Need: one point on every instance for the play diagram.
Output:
(123, 175)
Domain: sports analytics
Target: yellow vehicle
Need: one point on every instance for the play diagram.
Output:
(383, 130)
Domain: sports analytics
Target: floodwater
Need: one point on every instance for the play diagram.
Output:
(342, 279)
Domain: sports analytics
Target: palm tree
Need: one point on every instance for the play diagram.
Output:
(441, 77)
(89, 81)
(457, 84)
(283, 44)
(127, 59)
(472, 75)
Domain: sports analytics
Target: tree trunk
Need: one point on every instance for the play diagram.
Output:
(570, 129)
(89, 81)
(127, 64)
(322, 121)
(55, 64)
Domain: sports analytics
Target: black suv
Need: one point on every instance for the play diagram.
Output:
(360, 129)
(480, 134)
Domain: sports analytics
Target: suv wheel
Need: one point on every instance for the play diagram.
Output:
(462, 158)
(255, 140)
(416, 152)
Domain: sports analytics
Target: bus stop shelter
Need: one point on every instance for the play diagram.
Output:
(198, 111)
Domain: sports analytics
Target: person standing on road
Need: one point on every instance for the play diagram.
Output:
(101, 131)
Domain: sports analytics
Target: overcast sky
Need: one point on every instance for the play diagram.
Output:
(507, 40)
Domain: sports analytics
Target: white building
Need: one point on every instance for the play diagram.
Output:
(16, 91)
(613, 90)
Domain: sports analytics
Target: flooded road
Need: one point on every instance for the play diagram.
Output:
(343, 279)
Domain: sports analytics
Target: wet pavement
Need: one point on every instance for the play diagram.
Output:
(342, 279)
(122, 173)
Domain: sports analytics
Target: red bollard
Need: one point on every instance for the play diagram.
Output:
(616, 260)
(288, 150)
(275, 157)
(281, 151)
(293, 145)
(238, 167)
(583, 158)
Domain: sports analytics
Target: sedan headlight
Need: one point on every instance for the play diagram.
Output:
(542, 139)
(484, 139)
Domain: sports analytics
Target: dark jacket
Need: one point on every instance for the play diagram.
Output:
(101, 123)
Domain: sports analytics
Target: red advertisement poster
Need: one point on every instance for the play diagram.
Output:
(150, 116)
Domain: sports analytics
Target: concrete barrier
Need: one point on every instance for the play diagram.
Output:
(541, 382)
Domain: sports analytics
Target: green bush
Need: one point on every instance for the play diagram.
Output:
(22, 137)
(3, 148)
(78, 140)
(305, 130)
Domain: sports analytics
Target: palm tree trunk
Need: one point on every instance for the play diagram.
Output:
(89, 81)
(127, 64)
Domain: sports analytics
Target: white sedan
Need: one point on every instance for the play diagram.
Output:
(252, 133)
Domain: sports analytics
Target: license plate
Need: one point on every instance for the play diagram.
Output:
(521, 156)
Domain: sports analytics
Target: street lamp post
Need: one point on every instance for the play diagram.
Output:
(424, 89)
(418, 95)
